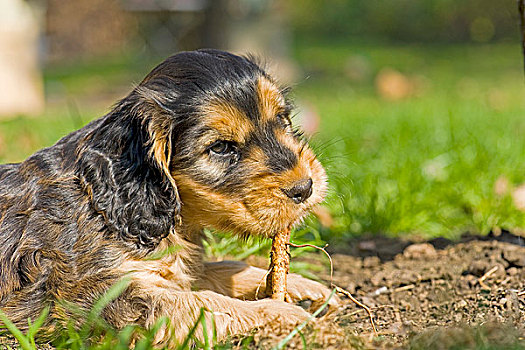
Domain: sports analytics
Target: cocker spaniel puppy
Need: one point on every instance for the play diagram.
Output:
(205, 140)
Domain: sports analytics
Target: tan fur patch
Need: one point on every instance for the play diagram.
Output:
(271, 101)
(171, 265)
(206, 208)
(228, 121)
(161, 148)
(284, 138)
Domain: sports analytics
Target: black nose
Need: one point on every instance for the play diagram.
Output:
(300, 191)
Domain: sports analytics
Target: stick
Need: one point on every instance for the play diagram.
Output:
(279, 267)
(323, 249)
(261, 281)
(358, 303)
(482, 279)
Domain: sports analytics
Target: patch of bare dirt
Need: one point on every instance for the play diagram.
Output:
(430, 295)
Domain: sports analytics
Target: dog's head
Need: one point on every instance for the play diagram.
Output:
(214, 130)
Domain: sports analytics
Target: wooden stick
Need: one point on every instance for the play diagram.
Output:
(323, 249)
(358, 303)
(261, 282)
(489, 273)
(276, 286)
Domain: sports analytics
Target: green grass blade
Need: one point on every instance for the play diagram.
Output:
(35, 327)
(214, 330)
(124, 337)
(22, 339)
(161, 254)
(303, 339)
(191, 333)
(300, 327)
(93, 319)
(205, 330)
(146, 343)
(142, 344)
(253, 250)
(112, 293)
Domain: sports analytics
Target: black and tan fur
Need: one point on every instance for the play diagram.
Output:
(203, 141)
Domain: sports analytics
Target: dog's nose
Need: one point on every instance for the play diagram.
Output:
(300, 191)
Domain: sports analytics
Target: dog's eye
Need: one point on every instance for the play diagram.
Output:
(223, 148)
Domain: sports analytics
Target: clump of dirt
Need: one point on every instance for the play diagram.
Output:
(430, 295)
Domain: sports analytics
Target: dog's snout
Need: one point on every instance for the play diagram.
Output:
(300, 191)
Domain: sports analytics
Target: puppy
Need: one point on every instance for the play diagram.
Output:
(205, 140)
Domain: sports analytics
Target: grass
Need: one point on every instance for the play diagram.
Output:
(95, 333)
(425, 165)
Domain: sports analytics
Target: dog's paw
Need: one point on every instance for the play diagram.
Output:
(249, 315)
(278, 311)
(303, 289)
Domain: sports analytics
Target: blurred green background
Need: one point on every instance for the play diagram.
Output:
(416, 108)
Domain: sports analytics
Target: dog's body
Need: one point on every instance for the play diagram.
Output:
(204, 141)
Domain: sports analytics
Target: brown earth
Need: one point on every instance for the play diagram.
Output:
(431, 295)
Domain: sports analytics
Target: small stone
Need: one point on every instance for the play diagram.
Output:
(461, 304)
(371, 261)
(379, 291)
(478, 267)
(420, 251)
(515, 257)
(367, 246)
(305, 304)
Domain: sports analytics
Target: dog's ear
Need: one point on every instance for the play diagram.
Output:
(124, 165)
(160, 125)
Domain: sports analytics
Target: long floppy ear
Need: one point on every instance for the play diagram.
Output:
(123, 164)
(160, 127)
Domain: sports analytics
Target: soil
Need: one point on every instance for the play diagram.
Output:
(427, 295)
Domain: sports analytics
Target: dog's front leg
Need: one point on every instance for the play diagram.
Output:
(239, 280)
(231, 316)
(234, 279)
